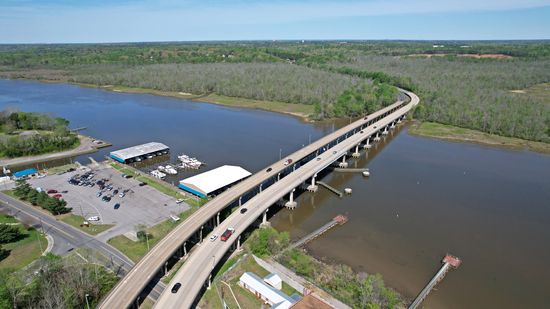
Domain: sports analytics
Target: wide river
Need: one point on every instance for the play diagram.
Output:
(490, 207)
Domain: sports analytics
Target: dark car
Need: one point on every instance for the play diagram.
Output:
(52, 191)
(268, 170)
(115, 191)
(106, 198)
(142, 184)
(176, 287)
(243, 210)
(117, 206)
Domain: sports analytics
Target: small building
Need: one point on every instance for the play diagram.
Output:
(139, 152)
(274, 280)
(270, 295)
(214, 180)
(25, 173)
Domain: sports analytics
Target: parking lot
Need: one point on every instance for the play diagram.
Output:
(140, 204)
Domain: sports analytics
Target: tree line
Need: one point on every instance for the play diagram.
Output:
(54, 205)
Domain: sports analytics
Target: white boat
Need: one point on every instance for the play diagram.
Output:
(149, 156)
(161, 168)
(158, 174)
(169, 169)
(138, 159)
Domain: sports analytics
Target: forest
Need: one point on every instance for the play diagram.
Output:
(481, 85)
(23, 134)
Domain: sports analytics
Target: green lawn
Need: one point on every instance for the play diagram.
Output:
(452, 133)
(76, 221)
(7, 219)
(25, 250)
(62, 168)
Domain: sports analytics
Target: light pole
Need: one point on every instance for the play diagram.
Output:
(87, 303)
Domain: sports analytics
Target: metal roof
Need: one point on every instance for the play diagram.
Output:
(275, 297)
(215, 179)
(24, 173)
(139, 150)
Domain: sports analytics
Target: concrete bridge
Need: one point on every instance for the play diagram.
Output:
(257, 193)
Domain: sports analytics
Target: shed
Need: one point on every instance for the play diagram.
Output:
(274, 280)
(268, 294)
(213, 180)
(25, 173)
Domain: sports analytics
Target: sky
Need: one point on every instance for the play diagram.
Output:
(87, 21)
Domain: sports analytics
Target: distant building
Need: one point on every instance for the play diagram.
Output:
(214, 180)
(268, 294)
(25, 173)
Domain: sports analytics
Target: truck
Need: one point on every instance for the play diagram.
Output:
(225, 236)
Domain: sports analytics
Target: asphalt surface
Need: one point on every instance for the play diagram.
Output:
(66, 238)
(128, 289)
(198, 267)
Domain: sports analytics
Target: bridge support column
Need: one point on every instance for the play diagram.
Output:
(291, 203)
(313, 187)
(200, 241)
(261, 187)
(385, 132)
(343, 164)
(240, 201)
(209, 281)
(165, 268)
(377, 138)
(278, 176)
(264, 219)
(218, 219)
(239, 243)
(367, 145)
(356, 153)
(184, 248)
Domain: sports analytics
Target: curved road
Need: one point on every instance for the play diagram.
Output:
(127, 290)
(196, 270)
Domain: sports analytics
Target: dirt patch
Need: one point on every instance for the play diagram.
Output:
(518, 91)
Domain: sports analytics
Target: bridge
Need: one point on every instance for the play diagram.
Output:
(257, 193)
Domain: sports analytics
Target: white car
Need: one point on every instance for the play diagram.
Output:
(179, 201)
(213, 237)
(94, 218)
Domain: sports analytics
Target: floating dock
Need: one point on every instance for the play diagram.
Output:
(334, 190)
(338, 220)
(449, 262)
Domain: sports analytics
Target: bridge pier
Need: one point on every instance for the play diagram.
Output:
(184, 248)
(291, 203)
(278, 177)
(343, 164)
(264, 219)
(385, 132)
(240, 201)
(209, 281)
(367, 145)
(239, 243)
(261, 187)
(377, 137)
(313, 187)
(218, 219)
(356, 153)
(200, 241)
(165, 268)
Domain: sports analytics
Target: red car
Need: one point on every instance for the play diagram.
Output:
(227, 234)
(52, 191)
(57, 195)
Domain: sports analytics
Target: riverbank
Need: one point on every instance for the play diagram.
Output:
(86, 145)
(456, 134)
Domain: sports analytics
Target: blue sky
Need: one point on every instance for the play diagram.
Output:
(65, 21)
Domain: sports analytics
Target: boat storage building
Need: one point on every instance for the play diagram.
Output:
(209, 182)
(140, 151)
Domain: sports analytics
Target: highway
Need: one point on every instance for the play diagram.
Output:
(196, 270)
(127, 290)
(67, 237)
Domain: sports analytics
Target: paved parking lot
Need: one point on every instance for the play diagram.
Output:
(140, 205)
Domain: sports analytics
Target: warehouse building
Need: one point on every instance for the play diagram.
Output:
(213, 181)
(139, 152)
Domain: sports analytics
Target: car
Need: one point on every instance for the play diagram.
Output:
(179, 201)
(374, 127)
(126, 176)
(269, 170)
(334, 152)
(213, 237)
(361, 131)
(121, 195)
(288, 161)
(319, 159)
(365, 117)
(57, 195)
(64, 191)
(99, 193)
(93, 218)
(141, 184)
(115, 191)
(106, 198)
(243, 210)
(225, 236)
(117, 206)
(52, 191)
(71, 169)
(176, 287)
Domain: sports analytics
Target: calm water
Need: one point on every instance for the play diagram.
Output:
(425, 198)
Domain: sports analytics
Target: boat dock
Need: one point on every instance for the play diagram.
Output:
(338, 220)
(350, 170)
(449, 262)
(334, 190)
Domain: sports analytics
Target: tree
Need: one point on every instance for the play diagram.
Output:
(22, 188)
(4, 253)
(9, 233)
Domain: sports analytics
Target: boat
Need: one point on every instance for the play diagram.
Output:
(138, 159)
(169, 169)
(158, 174)
(149, 156)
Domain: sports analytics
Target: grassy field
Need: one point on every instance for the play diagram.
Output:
(135, 250)
(76, 221)
(25, 250)
(62, 168)
(452, 133)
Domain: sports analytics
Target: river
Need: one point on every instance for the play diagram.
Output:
(490, 207)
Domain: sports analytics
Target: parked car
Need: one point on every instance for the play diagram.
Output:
(225, 236)
(58, 195)
(179, 201)
(115, 191)
(121, 195)
(64, 191)
(106, 198)
(213, 237)
(117, 206)
(141, 184)
(94, 218)
(243, 210)
(99, 193)
(52, 191)
(176, 287)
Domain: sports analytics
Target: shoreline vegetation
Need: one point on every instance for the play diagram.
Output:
(457, 134)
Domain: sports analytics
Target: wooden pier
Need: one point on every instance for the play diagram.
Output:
(350, 170)
(338, 220)
(334, 190)
(449, 262)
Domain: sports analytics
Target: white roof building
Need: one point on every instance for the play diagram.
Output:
(269, 294)
(138, 151)
(274, 280)
(208, 182)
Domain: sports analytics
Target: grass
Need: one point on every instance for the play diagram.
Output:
(76, 221)
(452, 133)
(135, 250)
(24, 251)
(62, 168)
(540, 91)
(7, 219)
